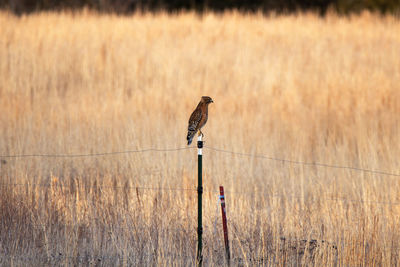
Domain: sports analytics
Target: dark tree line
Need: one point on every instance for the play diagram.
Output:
(279, 6)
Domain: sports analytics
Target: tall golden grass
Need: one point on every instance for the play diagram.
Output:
(297, 87)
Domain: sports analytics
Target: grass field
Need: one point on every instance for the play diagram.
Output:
(296, 87)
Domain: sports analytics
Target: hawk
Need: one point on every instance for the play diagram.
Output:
(198, 118)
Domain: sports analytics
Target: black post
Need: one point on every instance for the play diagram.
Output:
(200, 194)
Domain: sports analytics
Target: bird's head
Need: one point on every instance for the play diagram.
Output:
(207, 99)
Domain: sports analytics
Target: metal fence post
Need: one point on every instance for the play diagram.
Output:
(200, 194)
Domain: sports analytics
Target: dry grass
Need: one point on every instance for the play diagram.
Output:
(296, 87)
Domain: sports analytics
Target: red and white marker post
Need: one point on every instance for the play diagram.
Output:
(224, 224)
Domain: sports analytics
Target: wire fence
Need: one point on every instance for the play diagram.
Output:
(58, 185)
(288, 161)
(113, 153)
(315, 164)
(228, 193)
(272, 195)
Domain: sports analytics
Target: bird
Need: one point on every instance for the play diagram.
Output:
(198, 118)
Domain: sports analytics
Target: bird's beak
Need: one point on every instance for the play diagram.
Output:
(212, 101)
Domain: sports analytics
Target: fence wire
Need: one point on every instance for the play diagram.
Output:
(58, 185)
(94, 154)
(227, 192)
(289, 161)
(305, 197)
(273, 195)
(316, 164)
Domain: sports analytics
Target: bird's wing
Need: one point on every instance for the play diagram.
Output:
(195, 119)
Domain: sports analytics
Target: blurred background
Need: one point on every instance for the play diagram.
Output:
(266, 6)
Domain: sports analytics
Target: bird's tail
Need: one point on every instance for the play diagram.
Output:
(190, 135)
